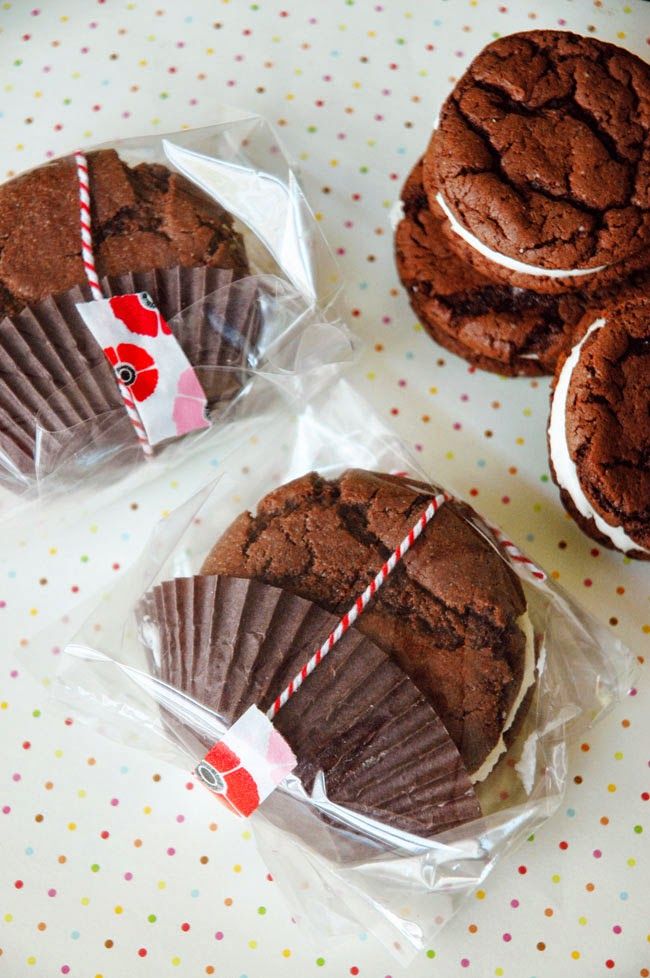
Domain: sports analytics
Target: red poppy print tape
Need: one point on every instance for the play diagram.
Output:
(149, 364)
(247, 764)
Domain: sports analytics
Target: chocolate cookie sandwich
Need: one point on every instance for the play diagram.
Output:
(599, 429)
(494, 326)
(453, 615)
(143, 217)
(363, 734)
(540, 161)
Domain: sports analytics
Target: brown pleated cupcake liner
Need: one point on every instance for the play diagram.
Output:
(53, 373)
(222, 331)
(13, 460)
(229, 643)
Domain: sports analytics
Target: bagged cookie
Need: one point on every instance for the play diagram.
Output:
(352, 657)
(101, 251)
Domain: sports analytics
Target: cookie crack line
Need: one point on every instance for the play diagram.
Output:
(643, 463)
(253, 533)
(597, 55)
(570, 106)
(637, 346)
(596, 215)
(603, 61)
(490, 298)
(383, 597)
(624, 517)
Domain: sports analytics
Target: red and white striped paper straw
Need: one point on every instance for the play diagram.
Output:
(87, 253)
(513, 551)
(88, 258)
(351, 616)
(515, 554)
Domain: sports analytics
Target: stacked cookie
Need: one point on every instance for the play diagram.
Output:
(524, 244)
(531, 206)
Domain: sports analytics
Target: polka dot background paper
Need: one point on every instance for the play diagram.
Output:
(111, 867)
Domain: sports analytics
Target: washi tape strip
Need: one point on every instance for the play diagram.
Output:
(149, 363)
(247, 764)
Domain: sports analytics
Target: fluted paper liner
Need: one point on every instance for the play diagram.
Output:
(229, 643)
(53, 373)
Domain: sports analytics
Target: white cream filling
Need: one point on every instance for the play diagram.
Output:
(396, 214)
(565, 469)
(511, 263)
(527, 681)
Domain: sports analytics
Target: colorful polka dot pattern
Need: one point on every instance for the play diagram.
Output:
(111, 867)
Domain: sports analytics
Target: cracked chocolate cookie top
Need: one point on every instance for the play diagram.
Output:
(543, 150)
(608, 419)
(448, 614)
(143, 217)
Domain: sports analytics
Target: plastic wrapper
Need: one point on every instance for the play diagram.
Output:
(142, 671)
(60, 408)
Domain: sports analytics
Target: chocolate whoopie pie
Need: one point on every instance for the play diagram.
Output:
(452, 615)
(542, 158)
(143, 217)
(599, 429)
(494, 326)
